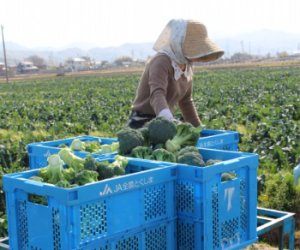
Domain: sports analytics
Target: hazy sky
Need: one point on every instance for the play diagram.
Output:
(58, 23)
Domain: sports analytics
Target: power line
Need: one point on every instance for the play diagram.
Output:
(4, 53)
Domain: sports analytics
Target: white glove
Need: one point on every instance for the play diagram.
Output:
(167, 114)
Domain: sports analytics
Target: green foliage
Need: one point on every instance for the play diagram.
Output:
(281, 193)
(261, 103)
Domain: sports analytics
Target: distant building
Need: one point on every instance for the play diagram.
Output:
(26, 67)
(78, 64)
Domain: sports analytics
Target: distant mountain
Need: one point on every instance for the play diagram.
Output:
(260, 42)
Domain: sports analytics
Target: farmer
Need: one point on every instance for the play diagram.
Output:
(167, 78)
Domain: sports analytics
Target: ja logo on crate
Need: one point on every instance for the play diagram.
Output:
(124, 186)
(107, 190)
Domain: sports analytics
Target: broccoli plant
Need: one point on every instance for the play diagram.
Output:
(188, 149)
(191, 158)
(163, 155)
(142, 152)
(53, 173)
(160, 130)
(186, 135)
(129, 139)
(86, 176)
(77, 144)
(71, 160)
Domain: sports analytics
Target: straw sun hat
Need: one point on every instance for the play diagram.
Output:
(197, 44)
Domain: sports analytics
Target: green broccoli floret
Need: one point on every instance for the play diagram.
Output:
(69, 174)
(114, 146)
(105, 149)
(161, 130)
(90, 163)
(86, 176)
(163, 155)
(71, 160)
(212, 162)
(103, 171)
(77, 145)
(186, 135)
(142, 152)
(129, 139)
(191, 158)
(119, 165)
(92, 146)
(122, 159)
(145, 132)
(63, 184)
(188, 149)
(53, 173)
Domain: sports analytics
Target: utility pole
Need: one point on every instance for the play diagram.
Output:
(4, 53)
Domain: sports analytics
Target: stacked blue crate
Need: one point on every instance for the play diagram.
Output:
(215, 212)
(134, 210)
(38, 152)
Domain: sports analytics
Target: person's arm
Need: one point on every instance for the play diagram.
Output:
(188, 109)
(158, 83)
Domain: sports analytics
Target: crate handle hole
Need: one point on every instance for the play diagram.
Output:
(38, 199)
(228, 176)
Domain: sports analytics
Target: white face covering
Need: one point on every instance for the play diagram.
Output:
(170, 42)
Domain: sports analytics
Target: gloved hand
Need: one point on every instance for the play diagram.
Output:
(166, 113)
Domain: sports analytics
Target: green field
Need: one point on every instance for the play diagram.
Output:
(263, 104)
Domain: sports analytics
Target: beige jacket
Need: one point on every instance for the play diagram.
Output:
(159, 90)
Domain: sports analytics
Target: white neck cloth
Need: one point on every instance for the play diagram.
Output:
(170, 42)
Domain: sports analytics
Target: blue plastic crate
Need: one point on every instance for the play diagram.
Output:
(219, 139)
(92, 214)
(151, 237)
(38, 152)
(215, 214)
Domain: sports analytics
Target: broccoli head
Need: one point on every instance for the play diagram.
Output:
(92, 146)
(188, 149)
(129, 139)
(186, 135)
(142, 152)
(77, 145)
(119, 165)
(69, 174)
(163, 155)
(89, 146)
(90, 163)
(63, 184)
(145, 132)
(86, 176)
(160, 130)
(71, 160)
(53, 173)
(191, 158)
(105, 149)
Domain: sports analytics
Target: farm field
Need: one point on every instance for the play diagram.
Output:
(263, 104)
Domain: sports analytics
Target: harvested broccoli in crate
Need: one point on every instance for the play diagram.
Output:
(66, 170)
